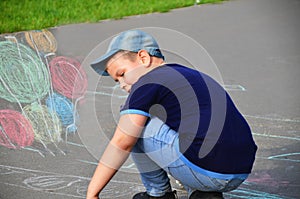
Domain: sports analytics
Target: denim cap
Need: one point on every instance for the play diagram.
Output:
(131, 40)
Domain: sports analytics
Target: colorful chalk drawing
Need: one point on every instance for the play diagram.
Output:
(31, 71)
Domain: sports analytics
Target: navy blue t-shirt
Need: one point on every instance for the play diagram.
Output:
(213, 135)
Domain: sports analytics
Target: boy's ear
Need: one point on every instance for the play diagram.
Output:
(144, 57)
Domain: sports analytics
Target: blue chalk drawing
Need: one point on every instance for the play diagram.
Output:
(253, 194)
(284, 157)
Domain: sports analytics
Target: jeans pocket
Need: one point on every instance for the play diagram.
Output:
(204, 183)
(183, 174)
(193, 180)
(220, 184)
(233, 184)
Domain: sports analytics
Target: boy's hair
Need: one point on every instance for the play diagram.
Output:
(128, 55)
(131, 55)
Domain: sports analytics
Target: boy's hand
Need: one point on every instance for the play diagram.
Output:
(116, 153)
(92, 197)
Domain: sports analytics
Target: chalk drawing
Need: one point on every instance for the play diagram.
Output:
(51, 182)
(60, 184)
(43, 41)
(277, 128)
(23, 76)
(124, 96)
(272, 119)
(111, 91)
(107, 94)
(68, 77)
(35, 150)
(276, 136)
(75, 144)
(234, 88)
(130, 166)
(76, 186)
(285, 157)
(252, 194)
(64, 109)
(38, 71)
(264, 178)
(15, 130)
(88, 162)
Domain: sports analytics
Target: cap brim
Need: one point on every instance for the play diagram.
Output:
(99, 65)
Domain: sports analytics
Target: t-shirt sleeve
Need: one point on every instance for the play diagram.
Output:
(141, 99)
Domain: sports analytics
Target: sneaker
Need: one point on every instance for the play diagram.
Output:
(144, 195)
(208, 195)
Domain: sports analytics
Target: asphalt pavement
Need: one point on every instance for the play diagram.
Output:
(251, 47)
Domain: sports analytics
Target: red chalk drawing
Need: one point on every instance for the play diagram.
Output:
(266, 179)
(68, 77)
(15, 130)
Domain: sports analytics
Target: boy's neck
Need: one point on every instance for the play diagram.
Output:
(156, 62)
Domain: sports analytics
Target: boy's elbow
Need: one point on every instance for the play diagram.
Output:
(124, 143)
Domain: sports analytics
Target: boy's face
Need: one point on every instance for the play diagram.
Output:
(125, 71)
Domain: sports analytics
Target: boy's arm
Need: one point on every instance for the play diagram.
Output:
(116, 153)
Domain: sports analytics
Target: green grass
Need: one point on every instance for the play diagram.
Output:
(19, 15)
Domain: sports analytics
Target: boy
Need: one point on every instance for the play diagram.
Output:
(175, 120)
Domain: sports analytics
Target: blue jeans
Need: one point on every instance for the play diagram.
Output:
(156, 154)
